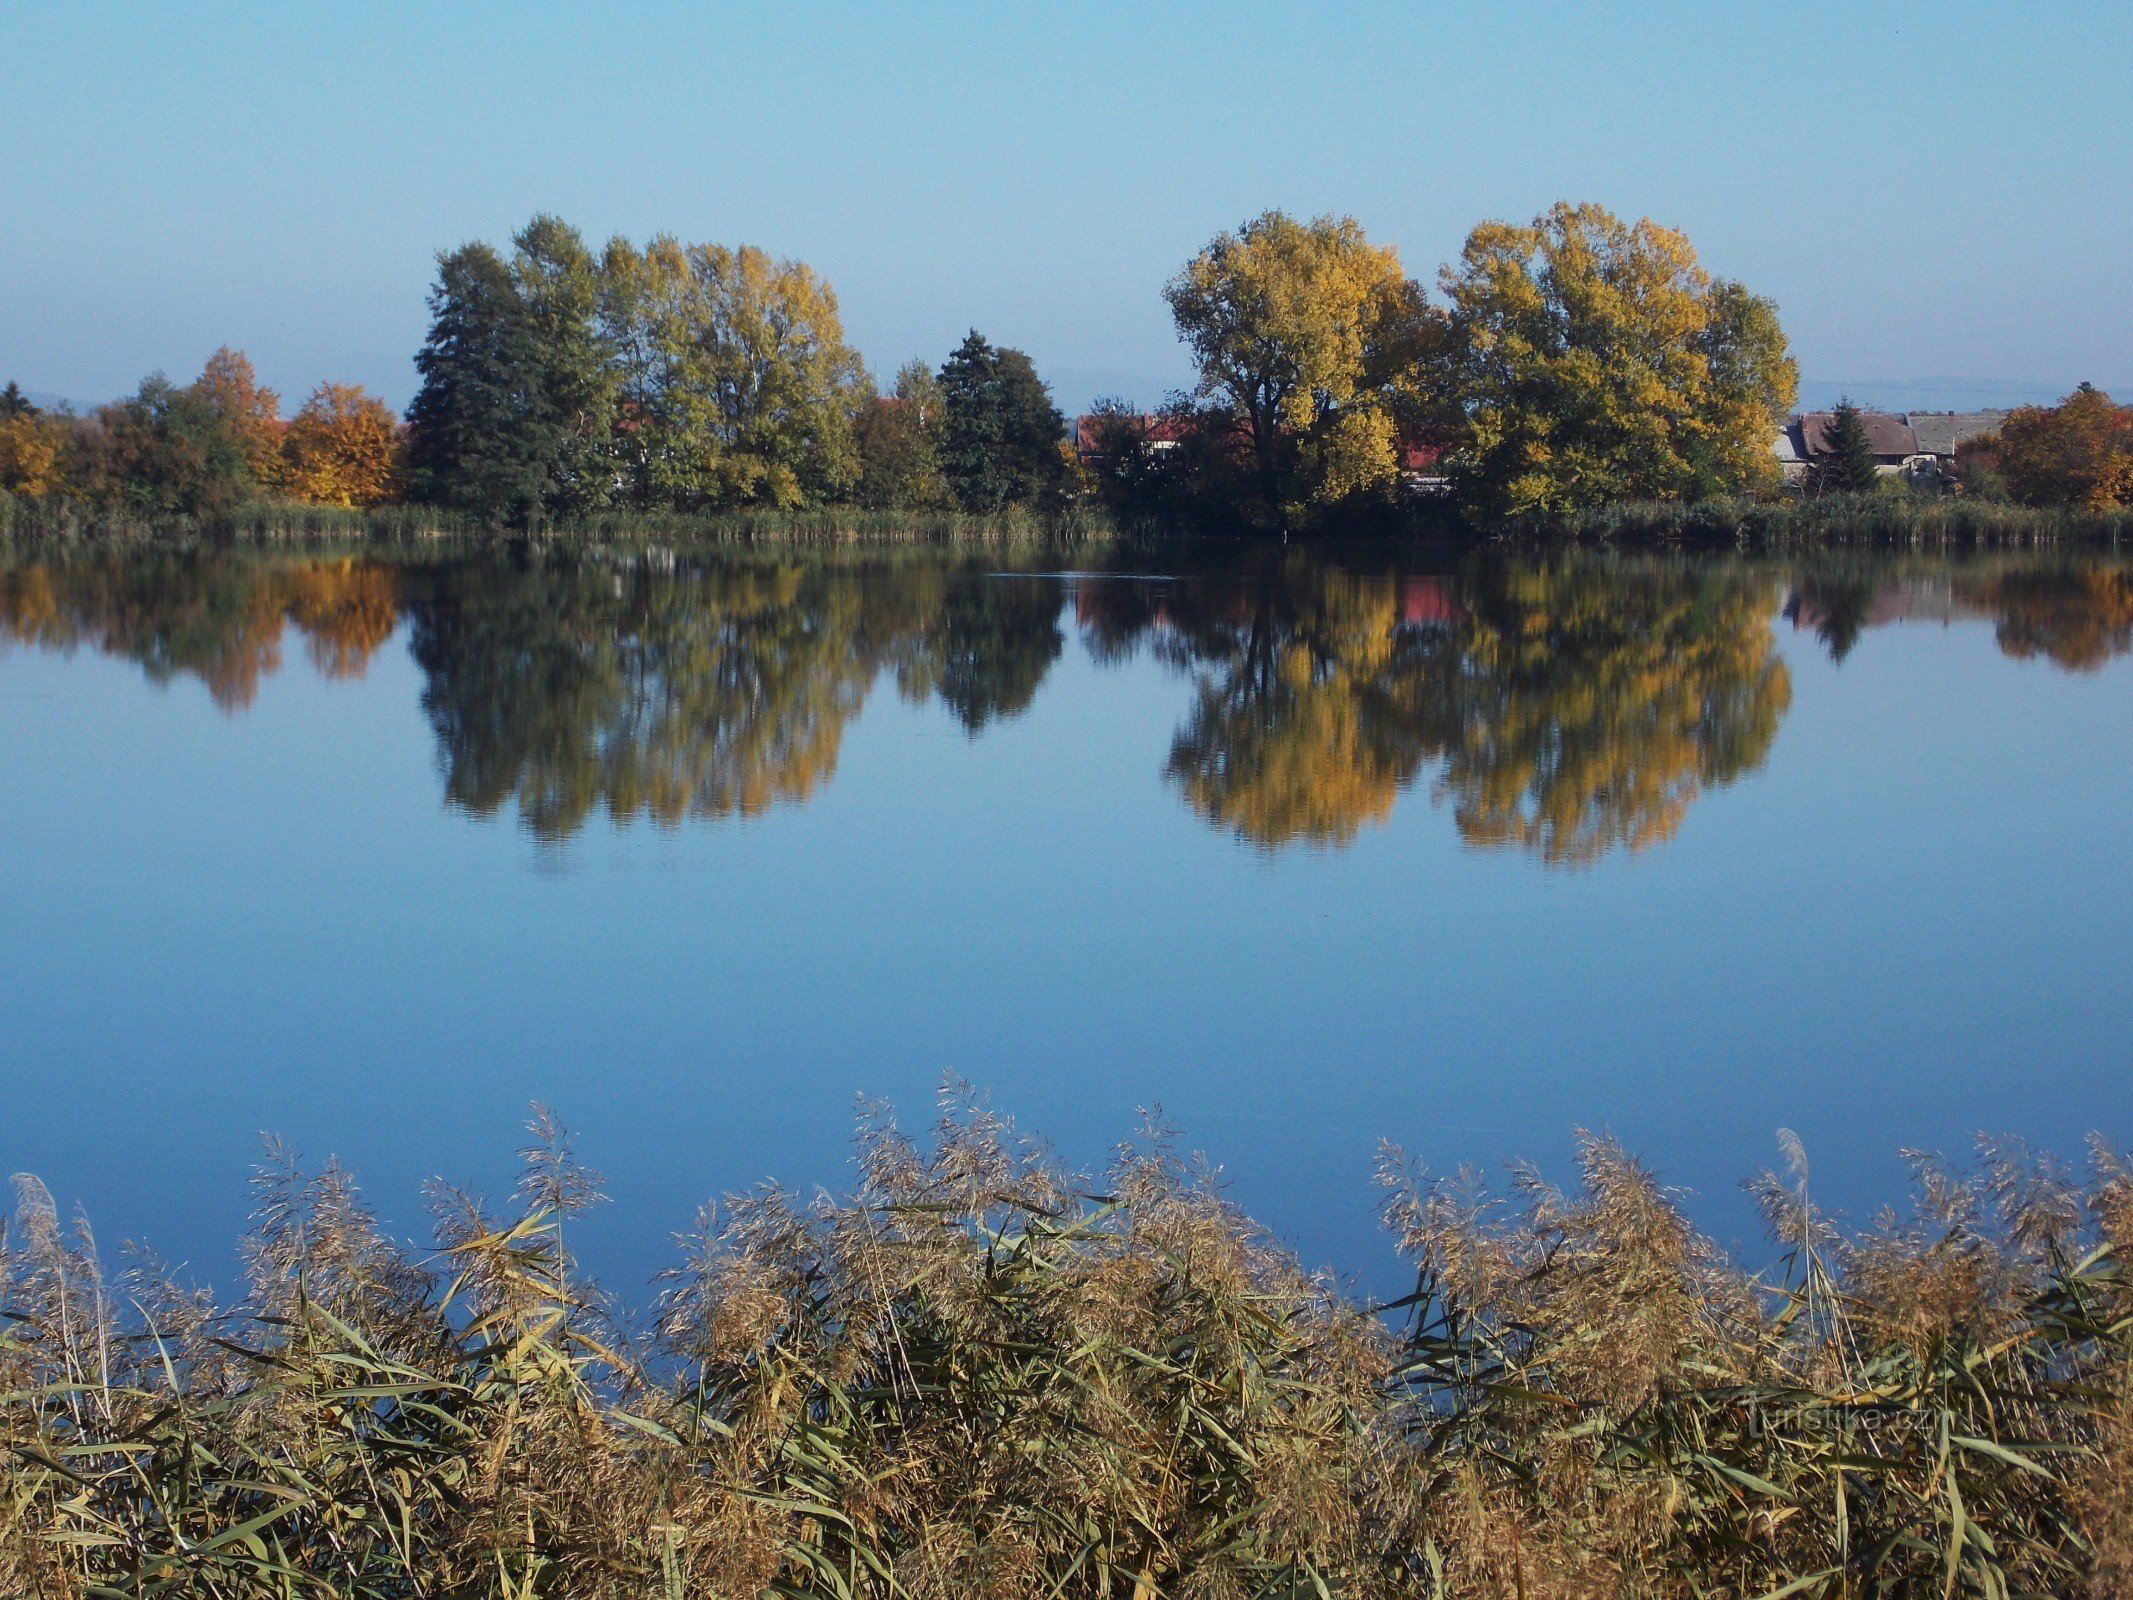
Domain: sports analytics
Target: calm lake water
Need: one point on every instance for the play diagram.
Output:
(1309, 850)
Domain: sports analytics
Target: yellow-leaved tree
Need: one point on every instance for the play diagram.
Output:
(342, 449)
(1305, 333)
(33, 446)
(1587, 360)
(736, 384)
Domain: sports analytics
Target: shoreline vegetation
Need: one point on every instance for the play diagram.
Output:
(978, 1375)
(1579, 377)
(1882, 521)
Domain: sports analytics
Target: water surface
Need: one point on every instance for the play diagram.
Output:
(1307, 849)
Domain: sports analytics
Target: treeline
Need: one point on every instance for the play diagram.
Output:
(1574, 363)
(560, 385)
(204, 449)
(980, 1376)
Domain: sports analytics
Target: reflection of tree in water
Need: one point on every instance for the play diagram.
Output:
(2077, 614)
(575, 687)
(1571, 707)
(213, 615)
(1591, 705)
(1296, 731)
(1837, 606)
(2078, 618)
(702, 692)
(988, 647)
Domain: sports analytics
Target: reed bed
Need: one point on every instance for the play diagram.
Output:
(978, 1376)
(54, 518)
(1900, 520)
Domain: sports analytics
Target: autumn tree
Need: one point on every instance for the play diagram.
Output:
(1588, 360)
(251, 414)
(1305, 333)
(2077, 453)
(341, 449)
(736, 386)
(33, 445)
(1002, 435)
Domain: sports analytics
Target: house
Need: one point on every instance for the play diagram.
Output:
(1099, 433)
(1939, 433)
(1792, 460)
(1804, 444)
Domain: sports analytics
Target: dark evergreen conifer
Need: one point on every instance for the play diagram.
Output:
(1847, 465)
(1001, 434)
(481, 440)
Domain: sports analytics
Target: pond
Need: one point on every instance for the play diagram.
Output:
(1308, 849)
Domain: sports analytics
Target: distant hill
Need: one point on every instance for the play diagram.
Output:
(1933, 394)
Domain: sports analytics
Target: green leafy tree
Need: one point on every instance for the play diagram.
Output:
(899, 452)
(1589, 360)
(1847, 464)
(1002, 439)
(169, 451)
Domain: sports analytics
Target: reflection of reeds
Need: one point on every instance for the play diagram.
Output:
(975, 1377)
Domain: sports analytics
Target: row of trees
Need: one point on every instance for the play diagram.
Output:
(688, 377)
(205, 448)
(1574, 361)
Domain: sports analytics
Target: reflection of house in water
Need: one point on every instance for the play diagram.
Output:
(1429, 601)
(1813, 603)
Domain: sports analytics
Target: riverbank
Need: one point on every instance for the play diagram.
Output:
(979, 1376)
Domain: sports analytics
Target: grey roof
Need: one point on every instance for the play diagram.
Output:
(1788, 443)
(1886, 435)
(1939, 432)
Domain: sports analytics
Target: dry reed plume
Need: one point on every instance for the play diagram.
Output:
(977, 1377)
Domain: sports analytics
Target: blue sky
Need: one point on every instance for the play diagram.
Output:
(1928, 190)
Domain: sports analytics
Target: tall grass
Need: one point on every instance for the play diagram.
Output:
(269, 522)
(975, 1376)
(1901, 520)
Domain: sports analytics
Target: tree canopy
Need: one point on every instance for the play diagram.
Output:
(2078, 453)
(1002, 437)
(1305, 335)
(1589, 360)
